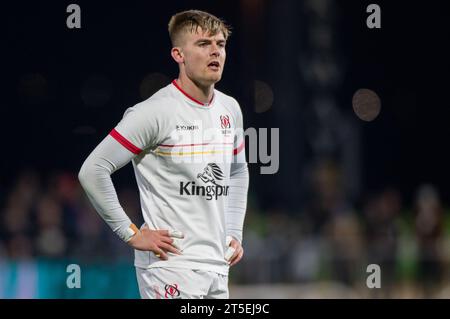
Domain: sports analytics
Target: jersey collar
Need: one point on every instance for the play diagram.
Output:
(197, 102)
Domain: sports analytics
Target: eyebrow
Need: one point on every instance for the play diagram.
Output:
(209, 41)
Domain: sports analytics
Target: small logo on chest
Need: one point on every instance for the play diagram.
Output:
(225, 124)
(225, 121)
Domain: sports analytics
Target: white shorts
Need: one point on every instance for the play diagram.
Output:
(180, 283)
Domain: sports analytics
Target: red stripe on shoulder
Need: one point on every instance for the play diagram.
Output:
(126, 143)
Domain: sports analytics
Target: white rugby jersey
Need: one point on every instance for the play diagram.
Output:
(184, 151)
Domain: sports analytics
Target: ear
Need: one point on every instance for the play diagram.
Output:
(177, 54)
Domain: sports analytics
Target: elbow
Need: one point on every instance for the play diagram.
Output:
(82, 174)
(87, 171)
(91, 170)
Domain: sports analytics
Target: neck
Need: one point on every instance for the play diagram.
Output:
(199, 92)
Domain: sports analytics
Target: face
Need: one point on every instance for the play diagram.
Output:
(203, 57)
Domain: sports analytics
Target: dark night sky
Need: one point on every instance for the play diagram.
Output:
(406, 63)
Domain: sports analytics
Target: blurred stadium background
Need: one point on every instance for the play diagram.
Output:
(348, 193)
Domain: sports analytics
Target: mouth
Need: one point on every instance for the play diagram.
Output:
(214, 65)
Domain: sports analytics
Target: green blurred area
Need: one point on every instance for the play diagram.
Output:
(43, 278)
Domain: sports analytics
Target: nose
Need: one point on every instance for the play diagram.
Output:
(215, 50)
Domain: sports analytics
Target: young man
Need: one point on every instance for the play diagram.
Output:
(186, 144)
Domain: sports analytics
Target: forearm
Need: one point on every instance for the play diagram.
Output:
(95, 178)
(237, 200)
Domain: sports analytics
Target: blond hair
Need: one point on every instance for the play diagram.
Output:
(191, 20)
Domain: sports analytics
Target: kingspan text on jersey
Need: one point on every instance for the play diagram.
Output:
(210, 192)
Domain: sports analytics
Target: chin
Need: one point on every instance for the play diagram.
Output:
(208, 79)
(216, 78)
(211, 80)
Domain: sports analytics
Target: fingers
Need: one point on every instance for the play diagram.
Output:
(171, 233)
(230, 253)
(228, 240)
(161, 251)
(160, 254)
(163, 232)
(169, 248)
(169, 241)
(176, 234)
(177, 244)
(231, 249)
(237, 257)
(234, 251)
(172, 241)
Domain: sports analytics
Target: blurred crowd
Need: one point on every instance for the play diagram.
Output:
(327, 239)
(331, 239)
(50, 217)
